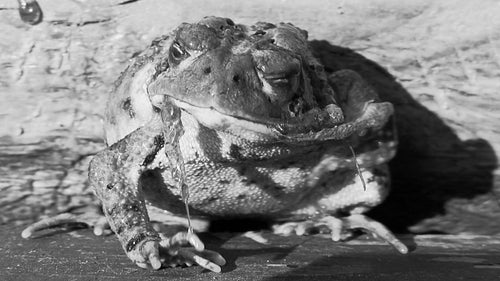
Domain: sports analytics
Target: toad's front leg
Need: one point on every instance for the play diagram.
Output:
(114, 174)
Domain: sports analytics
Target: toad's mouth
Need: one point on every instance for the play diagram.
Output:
(315, 125)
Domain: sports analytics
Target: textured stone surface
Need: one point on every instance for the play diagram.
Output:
(444, 58)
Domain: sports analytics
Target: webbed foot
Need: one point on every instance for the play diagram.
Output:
(341, 229)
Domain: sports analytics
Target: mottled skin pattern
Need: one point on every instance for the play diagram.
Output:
(265, 133)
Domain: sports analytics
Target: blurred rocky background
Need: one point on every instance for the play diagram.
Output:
(443, 58)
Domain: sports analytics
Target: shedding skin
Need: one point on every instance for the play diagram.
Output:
(115, 175)
(192, 111)
(169, 251)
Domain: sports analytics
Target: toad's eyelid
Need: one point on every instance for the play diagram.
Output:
(179, 50)
(176, 45)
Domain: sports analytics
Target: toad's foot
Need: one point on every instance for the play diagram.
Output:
(90, 218)
(341, 229)
(169, 252)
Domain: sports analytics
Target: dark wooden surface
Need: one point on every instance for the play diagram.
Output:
(437, 61)
(78, 255)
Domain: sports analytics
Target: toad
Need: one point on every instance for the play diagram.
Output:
(220, 120)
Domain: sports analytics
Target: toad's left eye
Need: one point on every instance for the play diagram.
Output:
(177, 53)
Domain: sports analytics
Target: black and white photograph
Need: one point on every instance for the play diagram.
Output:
(249, 140)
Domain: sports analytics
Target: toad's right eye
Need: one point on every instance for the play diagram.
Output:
(177, 53)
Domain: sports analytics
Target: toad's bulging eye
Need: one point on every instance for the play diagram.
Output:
(177, 52)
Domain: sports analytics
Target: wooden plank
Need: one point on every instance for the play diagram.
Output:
(78, 255)
(56, 75)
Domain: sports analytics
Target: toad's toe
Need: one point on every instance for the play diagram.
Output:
(340, 229)
(90, 219)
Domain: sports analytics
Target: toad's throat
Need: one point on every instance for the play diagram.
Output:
(316, 127)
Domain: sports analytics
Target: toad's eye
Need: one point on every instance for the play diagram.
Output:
(177, 53)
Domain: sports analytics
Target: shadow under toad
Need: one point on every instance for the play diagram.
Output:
(432, 165)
